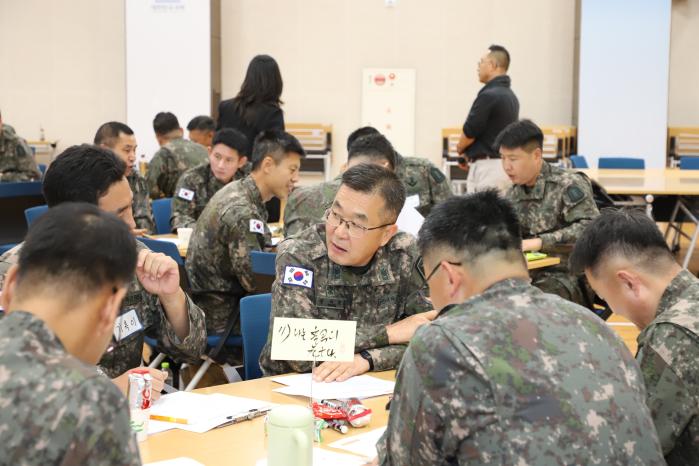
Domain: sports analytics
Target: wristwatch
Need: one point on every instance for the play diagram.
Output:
(366, 355)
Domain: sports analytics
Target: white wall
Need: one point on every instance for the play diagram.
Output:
(62, 67)
(322, 47)
(624, 114)
(684, 64)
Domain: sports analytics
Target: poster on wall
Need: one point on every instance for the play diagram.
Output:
(388, 104)
(175, 77)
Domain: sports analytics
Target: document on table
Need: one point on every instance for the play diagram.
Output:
(200, 413)
(321, 457)
(181, 461)
(410, 220)
(360, 386)
(362, 444)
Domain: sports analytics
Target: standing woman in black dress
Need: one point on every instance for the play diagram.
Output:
(256, 108)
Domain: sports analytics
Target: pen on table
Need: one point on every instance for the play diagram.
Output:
(176, 420)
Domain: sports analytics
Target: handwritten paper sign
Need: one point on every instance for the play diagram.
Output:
(313, 339)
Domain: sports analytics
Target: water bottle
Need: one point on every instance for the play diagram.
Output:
(166, 367)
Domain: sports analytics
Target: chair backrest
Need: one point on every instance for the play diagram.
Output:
(162, 210)
(626, 163)
(263, 262)
(33, 213)
(689, 163)
(21, 188)
(166, 247)
(578, 161)
(255, 313)
(6, 247)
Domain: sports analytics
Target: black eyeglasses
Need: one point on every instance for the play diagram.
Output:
(421, 265)
(356, 231)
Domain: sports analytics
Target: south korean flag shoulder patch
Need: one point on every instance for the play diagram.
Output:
(298, 276)
(257, 226)
(186, 194)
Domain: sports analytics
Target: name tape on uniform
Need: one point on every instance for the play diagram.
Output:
(126, 324)
(186, 194)
(313, 339)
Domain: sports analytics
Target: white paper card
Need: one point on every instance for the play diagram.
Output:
(360, 386)
(313, 339)
(362, 444)
(126, 324)
(410, 220)
(326, 457)
(412, 201)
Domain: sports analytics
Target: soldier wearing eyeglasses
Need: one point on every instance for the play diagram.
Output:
(354, 266)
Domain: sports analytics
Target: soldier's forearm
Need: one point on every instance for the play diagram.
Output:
(175, 307)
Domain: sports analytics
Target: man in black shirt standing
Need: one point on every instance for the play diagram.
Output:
(495, 107)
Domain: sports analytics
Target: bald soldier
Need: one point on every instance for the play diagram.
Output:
(628, 264)
(307, 204)
(553, 206)
(354, 266)
(61, 301)
(506, 374)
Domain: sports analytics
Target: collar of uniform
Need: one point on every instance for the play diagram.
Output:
(539, 189)
(674, 290)
(507, 286)
(255, 196)
(43, 341)
(498, 81)
(210, 178)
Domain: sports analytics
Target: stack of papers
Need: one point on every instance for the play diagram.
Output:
(362, 444)
(361, 386)
(200, 413)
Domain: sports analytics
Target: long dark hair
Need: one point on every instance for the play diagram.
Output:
(263, 84)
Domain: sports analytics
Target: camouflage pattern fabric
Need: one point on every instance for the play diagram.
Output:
(142, 212)
(423, 179)
(390, 290)
(16, 158)
(233, 223)
(556, 209)
(306, 205)
(148, 319)
(519, 377)
(55, 408)
(193, 191)
(168, 164)
(668, 353)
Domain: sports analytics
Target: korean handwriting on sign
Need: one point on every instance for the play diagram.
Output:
(313, 339)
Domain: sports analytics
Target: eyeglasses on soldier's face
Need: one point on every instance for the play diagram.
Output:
(334, 219)
(421, 267)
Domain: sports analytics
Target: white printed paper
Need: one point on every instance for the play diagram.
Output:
(363, 444)
(359, 386)
(126, 324)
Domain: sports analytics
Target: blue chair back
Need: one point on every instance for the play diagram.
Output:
(20, 188)
(162, 210)
(32, 213)
(626, 163)
(578, 161)
(263, 262)
(166, 247)
(255, 313)
(6, 247)
(42, 168)
(689, 163)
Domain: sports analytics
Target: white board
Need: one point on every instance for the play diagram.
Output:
(168, 64)
(388, 104)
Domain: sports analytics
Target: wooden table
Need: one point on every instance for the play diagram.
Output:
(545, 262)
(655, 181)
(626, 330)
(245, 443)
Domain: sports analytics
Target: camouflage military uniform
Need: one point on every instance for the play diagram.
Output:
(199, 185)
(168, 164)
(55, 408)
(142, 213)
(423, 179)
(389, 290)
(148, 318)
(556, 209)
(307, 205)
(668, 353)
(516, 376)
(16, 158)
(218, 258)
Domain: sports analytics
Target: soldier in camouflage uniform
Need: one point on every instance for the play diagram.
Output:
(228, 161)
(156, 307)
(175, 156)
(121, 140)
(56, 409)
(507, 374)
(553, 206)
(628, 263)
(16, 158)
(355, 270)
(307, 205)
(418, 174)
(234, 223)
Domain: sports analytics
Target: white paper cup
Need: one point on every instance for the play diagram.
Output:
(184, 234)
